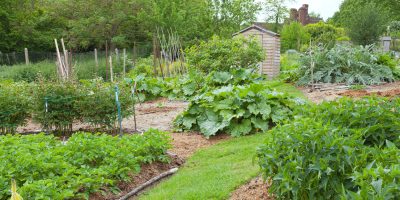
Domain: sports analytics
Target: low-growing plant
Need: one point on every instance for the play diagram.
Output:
(46, 168)
(15, 107)
(237, 110)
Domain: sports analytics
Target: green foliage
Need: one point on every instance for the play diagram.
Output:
(323, 33)
(388, 60)
(29, 73)
(237, 110)
(346, 149)
(15, 107)
(294, 36)
(142, 66)
(290, 64)
(59, 112)
(148, 88)
(46, 168)
(225, 54)
(100, 98)
(366, 25)
(343, 64)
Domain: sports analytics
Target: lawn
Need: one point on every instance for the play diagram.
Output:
(212, 173)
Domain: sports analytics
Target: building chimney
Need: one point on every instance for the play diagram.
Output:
(294, 14)
(303, 14)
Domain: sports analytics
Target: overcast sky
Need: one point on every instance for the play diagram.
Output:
(324, 7)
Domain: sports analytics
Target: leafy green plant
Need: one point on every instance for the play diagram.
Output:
(343, 64)
(224, 54)
(343, 150)
(46, 168)
(54, 106)
(100, 98)
(237, 110)
(15, 107)
(290, 64)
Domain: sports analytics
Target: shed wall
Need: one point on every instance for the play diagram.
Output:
(272, 47)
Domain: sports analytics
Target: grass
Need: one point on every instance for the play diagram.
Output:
(212, 173)
(287, 88)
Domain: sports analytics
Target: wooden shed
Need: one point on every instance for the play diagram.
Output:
(271, 43)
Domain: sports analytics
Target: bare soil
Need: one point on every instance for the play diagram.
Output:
(386, 90)
(157, 114)
(256, 189)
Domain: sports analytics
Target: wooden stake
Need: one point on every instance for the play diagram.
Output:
(60, 64)
(111, 70)
(124, 65)
(26, 56)
(106, 59)
(67, 66)
(96, 61)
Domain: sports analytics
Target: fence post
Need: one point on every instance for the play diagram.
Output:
(111, 70)
(124, 65)
(106, 59)
(96, 61)
(26, 56)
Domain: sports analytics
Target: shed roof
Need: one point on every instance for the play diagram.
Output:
(259, 28)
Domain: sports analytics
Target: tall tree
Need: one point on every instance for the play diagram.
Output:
(276, 12)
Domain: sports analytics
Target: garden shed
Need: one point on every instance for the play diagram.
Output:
(271, 43)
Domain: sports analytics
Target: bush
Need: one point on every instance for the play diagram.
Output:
(323, 33)
(15, 107)
(224, 54)
(46, 168)
(100, 98)
(290, 64)
(237, 110)
(347, 150)
(343, 64)
(294, 36)
(60, 111)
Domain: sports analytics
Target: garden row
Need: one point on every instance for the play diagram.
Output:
(46, 168)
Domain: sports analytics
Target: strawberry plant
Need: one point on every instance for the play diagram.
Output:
(46, 168)
(237, 110)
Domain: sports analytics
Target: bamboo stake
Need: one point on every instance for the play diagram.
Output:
(67, 66)
(60, 64)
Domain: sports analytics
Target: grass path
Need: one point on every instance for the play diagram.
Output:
(212, 173)
(215, 172)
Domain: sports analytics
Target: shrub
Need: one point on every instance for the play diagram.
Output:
(290, 65)
(60, 112)
(343, 64)
(224, 54)
(294, 36)
(237, 110)
(99, 97)
(46, 168)
(337, 152)
(15, 107)
(323, 33)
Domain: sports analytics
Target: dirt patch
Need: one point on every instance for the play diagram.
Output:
(256, 189)
(185, 144)
(363, 93)
(157, 114)
(385, 90)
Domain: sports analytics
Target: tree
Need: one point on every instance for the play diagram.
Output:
(324, 33)
(366, 25)
(293, 36)
(276, 12)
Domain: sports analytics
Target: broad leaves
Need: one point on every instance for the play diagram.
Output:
(237, 110)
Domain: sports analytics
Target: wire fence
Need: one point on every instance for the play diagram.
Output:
(17, 58)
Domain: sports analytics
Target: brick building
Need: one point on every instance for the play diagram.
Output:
(301, 15)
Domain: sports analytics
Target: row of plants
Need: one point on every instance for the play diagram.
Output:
(340, 64)
(56, 106)
(46, 168)
(237, 110)
(347, 149)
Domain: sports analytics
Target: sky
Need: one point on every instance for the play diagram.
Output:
(324, 7)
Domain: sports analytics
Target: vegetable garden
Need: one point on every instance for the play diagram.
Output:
(347, 148)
